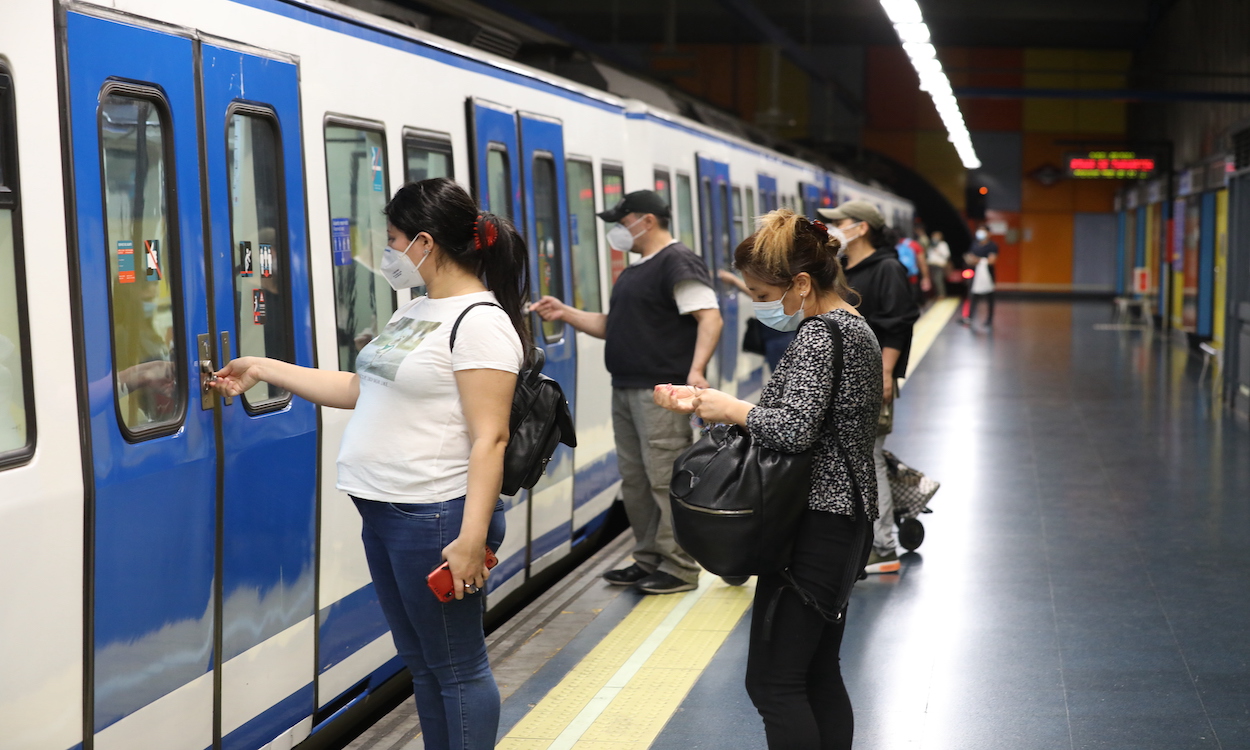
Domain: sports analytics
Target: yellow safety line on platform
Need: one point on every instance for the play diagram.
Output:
(927, 329)
(623, 692)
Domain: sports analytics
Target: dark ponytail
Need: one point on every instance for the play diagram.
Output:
(483, 244)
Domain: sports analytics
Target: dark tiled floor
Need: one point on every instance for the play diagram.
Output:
(1085, 582)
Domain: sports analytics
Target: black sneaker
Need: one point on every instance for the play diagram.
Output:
(626, 576)
(735, 580)
(660, 582)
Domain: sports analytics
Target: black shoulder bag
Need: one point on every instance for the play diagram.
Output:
(540, 420)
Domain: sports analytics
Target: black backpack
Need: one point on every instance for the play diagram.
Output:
(540, 420)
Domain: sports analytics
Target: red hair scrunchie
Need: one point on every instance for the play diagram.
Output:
(492, 234)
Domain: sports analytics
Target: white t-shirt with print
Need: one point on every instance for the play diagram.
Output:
(407, 441)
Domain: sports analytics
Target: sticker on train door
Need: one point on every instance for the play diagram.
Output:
(341, 241)
(258, 306)
(266, 261)
(245, 258)
(375, 161)
(152, 253)
(125, 262)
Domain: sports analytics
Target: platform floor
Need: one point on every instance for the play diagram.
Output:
(1084, 583)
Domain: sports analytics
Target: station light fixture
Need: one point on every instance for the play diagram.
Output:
(914, 34)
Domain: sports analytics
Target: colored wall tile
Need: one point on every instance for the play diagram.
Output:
(1094, 196)
(899, 145)
(938, 162)
(1046, 249)
(1005, 228)
(892, 89)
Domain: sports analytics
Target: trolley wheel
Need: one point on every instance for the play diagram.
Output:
(911, 533)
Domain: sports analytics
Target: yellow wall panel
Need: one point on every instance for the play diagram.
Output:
(938, 162)
(1046, 249)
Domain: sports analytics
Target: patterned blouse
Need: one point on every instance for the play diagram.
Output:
(793, 410)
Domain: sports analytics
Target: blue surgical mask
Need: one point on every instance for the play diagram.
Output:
(773, 314)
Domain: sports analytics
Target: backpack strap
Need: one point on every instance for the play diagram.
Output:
(456, 327)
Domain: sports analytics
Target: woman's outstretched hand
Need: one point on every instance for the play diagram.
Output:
(237, 377)
(711, 405)
(678, 398)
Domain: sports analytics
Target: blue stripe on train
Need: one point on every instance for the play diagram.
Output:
(349, 625)
(594, 479)
(551, 540)
(277, 719)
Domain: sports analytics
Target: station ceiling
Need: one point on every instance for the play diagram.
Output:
(1117, 24)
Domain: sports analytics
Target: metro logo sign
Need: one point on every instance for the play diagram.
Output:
(1110, 165)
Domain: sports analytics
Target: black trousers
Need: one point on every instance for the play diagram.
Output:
(989, 301)
(794, 678)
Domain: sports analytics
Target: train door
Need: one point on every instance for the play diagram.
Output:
(810, 198)
(260, 301)
(152, 510)
(718, 243)
(546, 230)
(768, 193)
(200, 567)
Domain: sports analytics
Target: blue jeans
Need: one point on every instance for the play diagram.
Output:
(443, 645)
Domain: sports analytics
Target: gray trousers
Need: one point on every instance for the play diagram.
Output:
(884, 534)
(648, 440)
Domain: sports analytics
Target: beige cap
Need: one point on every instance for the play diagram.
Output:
(857, 210)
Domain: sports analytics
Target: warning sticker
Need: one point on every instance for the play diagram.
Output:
(266, 261)
(152, 251)
(258, 306)
(245, 258)
(341, 241)
(125, 262)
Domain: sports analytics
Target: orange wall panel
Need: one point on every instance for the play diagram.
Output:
(1094, 195)
(899, 145)
(1007, 270)
(1046, 248)
(891, 90)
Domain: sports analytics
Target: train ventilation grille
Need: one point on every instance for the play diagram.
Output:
(485, 38)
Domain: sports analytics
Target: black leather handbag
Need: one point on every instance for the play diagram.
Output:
(540, 420)
(737, 504)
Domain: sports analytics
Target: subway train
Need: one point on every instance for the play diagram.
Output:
(181, 183)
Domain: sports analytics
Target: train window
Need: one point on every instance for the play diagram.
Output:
(17, 407)
(612, 182)
(356, 179)
(585, 236)
(547, 237)
(139, 241)
(751, 214)
(685, 211)
(262, 304)
(499, 181)
(426, 156)
(664, 186)
(740, 216)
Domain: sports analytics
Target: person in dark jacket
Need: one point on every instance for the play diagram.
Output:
(873, 270)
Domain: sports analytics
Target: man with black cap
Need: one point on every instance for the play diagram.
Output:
(662, 327)
(887, 304)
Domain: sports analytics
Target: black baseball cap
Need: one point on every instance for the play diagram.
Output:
(637, 202)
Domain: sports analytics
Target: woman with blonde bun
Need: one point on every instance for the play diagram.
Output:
(815, 400)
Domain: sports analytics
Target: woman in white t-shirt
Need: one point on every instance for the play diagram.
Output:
(421, 459)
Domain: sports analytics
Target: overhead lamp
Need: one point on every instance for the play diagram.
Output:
(914, 34)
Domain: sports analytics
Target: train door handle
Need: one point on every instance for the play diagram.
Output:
(225, 358)
(207, 377)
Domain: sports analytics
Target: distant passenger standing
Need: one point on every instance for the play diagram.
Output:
(793, 675)
(874, 272)
(422, 460)
(662, 327)
(938, 258)
(982, 257)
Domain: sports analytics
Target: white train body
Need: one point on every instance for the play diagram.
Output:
(176, 572)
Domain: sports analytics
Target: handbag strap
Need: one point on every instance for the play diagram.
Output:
(859, 547)
(465, 312)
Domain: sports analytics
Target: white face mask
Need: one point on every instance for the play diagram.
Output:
(400, 272)
(621, 239)
(982, 235)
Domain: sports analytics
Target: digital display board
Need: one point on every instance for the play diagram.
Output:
(1110, 165)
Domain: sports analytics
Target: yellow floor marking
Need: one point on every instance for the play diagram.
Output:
(927, 329)
(621, 696)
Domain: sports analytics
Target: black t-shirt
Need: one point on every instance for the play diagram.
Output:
(985, 250)
(649, 341)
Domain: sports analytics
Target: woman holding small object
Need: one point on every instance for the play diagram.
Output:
(792, 271)
(421, 459)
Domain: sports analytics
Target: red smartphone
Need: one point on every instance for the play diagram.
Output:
(439, 580)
